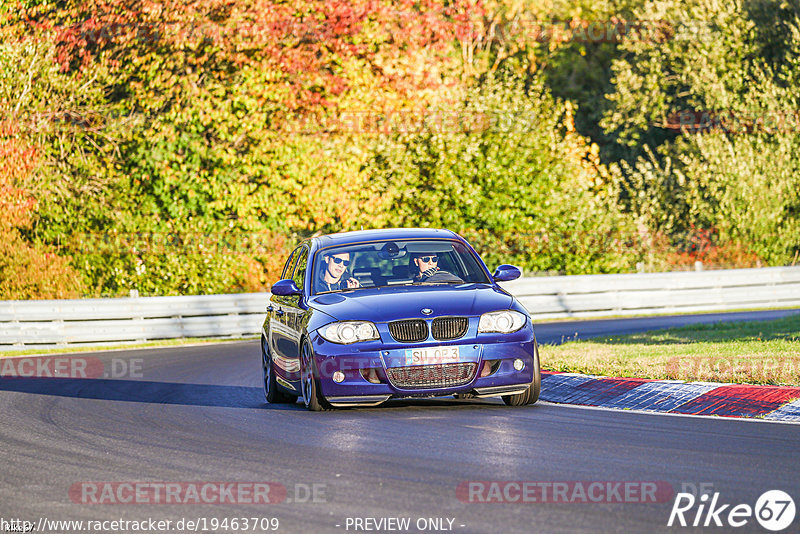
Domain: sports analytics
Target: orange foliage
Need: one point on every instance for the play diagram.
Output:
(26, 271)
(16, 203)
(703, 245)
(698, 244)
(260, 273)
(304, 44)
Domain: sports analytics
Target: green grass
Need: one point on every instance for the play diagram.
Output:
(763, 352)
(127, 346)
(666, 314)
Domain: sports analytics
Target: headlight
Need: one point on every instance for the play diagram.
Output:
(347, 332)
(505, 322)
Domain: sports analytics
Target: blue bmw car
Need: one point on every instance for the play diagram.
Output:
(359, 318)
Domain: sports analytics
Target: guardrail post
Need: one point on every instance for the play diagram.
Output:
(239, 328)
(181, 325)
(18, 343)
(62, 342)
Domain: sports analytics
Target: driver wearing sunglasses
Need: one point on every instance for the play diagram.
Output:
(425, 265)
(333, 269)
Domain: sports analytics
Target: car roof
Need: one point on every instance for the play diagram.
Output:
(361, 236)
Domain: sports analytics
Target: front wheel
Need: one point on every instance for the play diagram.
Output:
(530, 395)
(309, 380)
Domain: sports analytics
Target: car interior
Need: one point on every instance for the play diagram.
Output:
(386, 264)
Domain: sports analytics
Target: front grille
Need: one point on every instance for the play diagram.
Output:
(445, 328)
(432, 376)
(409, 331)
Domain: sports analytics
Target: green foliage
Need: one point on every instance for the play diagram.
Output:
(748, 189)
(33, 98)
(513, 176)
(222, 130)
(735, 169)
(178, 119)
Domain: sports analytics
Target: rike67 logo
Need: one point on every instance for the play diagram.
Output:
(774, 510)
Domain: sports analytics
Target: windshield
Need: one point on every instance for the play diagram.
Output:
(393, 263)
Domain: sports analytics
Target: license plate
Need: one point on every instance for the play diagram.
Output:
(432, 355)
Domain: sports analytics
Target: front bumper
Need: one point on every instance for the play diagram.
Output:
(499, 350)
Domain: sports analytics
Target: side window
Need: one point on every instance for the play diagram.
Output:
(300, 268)
(287, 269)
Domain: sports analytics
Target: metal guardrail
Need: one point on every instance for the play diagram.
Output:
(41, 323)
(47, 323)
(658, 293)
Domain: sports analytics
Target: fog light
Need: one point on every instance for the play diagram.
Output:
(518, 364)
(338, 377)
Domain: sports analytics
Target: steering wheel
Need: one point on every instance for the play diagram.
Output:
(443, 276)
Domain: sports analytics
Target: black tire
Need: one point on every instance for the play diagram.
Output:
(272, 392)
(309, 381)
(530, 395)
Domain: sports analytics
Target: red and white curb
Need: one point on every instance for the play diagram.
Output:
(775, 403)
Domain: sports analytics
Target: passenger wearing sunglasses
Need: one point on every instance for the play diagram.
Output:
(425, 265)
(334, 267)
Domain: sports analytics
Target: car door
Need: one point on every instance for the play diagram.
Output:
(279, 341)
(295, 308)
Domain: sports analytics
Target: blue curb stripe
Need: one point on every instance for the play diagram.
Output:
(660, 396)
(787, 412)
(602, 391)
(590, 390)
(557, 387)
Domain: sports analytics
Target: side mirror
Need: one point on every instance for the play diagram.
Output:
(506, 273)
(285, 288)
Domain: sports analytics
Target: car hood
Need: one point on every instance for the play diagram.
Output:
(382, 304)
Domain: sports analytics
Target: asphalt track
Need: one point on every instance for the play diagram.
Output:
(195, 414)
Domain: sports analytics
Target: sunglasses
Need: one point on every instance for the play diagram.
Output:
(338, 261)
(429, 259)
